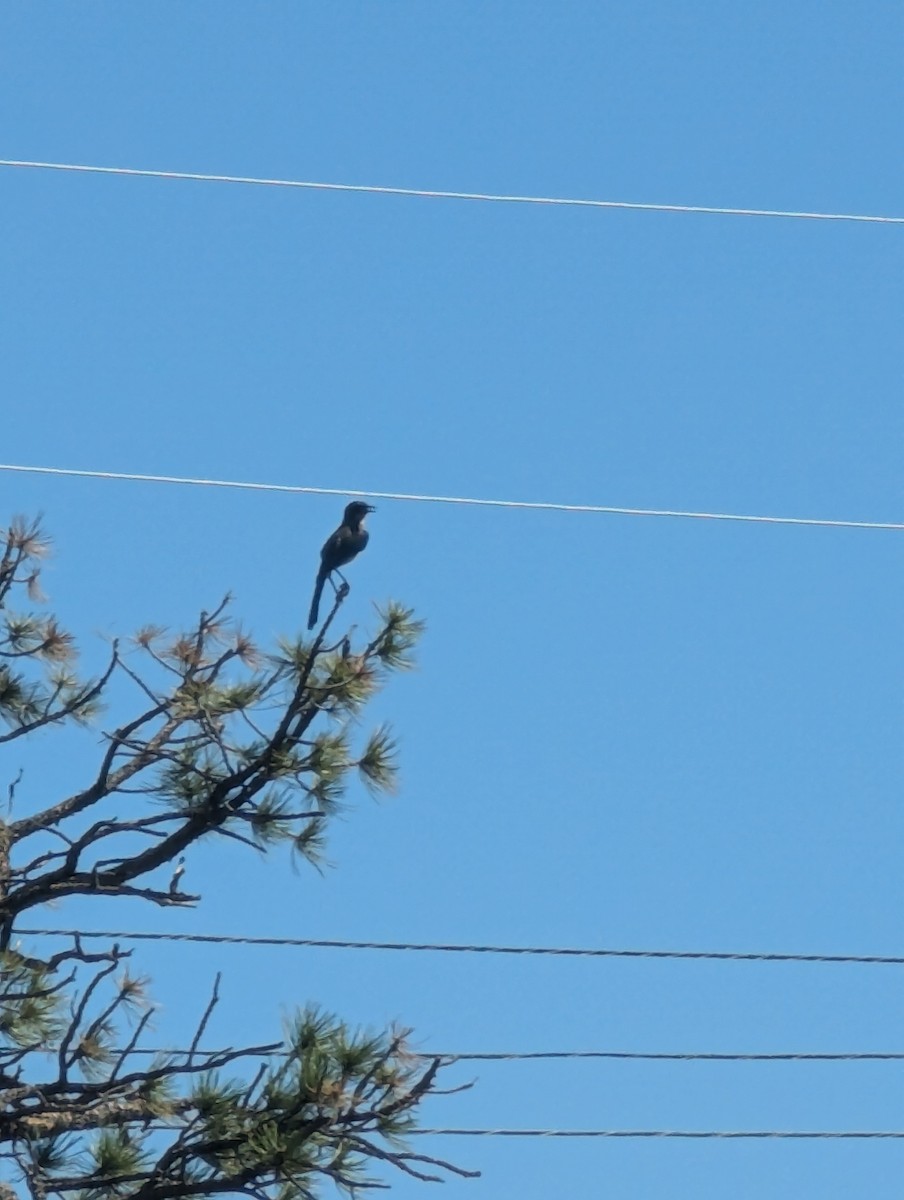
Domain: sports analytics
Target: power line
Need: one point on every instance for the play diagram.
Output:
(226, 939)
(632, 1133)
(547, 1055)
(547, 506)
(435, 194)
(660, 1133)
(656, 1056)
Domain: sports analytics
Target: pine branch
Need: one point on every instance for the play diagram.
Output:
(251, 747)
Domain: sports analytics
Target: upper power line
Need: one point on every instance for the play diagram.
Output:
(436, 194)
(544, 505)
(232, 939)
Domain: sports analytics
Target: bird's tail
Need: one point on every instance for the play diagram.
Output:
(315, 601)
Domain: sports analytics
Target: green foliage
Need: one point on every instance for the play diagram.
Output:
(117, 1160)
(30, 1002)
(314, 1110)
(51, 1154)
(377, 764)
(38, 680)
(228, 741)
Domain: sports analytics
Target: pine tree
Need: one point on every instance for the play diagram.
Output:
(231, 742)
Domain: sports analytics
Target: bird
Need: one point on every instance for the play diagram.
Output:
(344, 544)
(177, 875)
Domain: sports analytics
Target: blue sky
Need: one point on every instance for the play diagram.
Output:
(622, 732)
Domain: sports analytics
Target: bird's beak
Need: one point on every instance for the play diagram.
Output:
(370, 508)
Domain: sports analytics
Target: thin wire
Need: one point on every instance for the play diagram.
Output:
(434, 194)
(649, 1056)
(660, 1133)
(502, 1056)
(528, 504)
(224, 939)
(629, 1133)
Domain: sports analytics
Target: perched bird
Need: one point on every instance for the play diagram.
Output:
(340, 548)
(177, 875)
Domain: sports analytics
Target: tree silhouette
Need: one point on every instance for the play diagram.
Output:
(228, 742)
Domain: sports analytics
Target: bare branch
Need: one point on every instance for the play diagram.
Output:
(202, 1025)
(78, 1013)
(103, 784)
(132, 1043)
(11, 791)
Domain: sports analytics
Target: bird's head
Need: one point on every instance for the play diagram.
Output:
(356, 512)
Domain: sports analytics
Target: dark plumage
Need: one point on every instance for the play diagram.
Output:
(340, 548)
